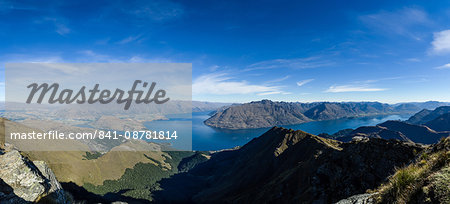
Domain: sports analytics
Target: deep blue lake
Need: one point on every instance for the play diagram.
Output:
(208, 138)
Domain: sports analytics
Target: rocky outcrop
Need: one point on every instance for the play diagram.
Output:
(24, 181)
(358, 199)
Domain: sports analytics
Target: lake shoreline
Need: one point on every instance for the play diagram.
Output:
(206, 138)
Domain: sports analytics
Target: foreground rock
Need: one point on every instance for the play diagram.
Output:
(366, 198)
(22, 181)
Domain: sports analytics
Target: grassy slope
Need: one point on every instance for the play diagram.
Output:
(425, 181)
(73, 166)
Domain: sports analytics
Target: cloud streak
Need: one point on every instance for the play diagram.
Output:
(278, 80)
(445, 66)
(221, 84)
(296, 63)
(130, 39)
(400, 22)
(58, 23)
(303, 82)
(352, 88)
(156, 11)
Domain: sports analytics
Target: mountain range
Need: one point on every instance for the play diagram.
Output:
(427, 116)
(376, 164)
(393, 129)
(267, 113)
(426, 127)
(287, 166)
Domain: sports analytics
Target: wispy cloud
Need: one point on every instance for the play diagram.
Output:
(62, 29)
(214, 68)
(59, 24)
(445, 66)
(130, 39)
(157, 11)
(27, 58)
(371, 81)
(441, 42)
(96, 57)
(7, 5)
(103, 41)
(363, 85)
(139, 59)
(296, 63)
(223, 84)
(400, 22)
(278, 80)
(303, 82)
(81, 56)
(352, 88)
(413, 60)
(269, 93)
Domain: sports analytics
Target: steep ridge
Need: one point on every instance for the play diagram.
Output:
(328, 111)
(441, 123)
(258, 114)
(425, 115)
(417, 118)
(416, 133)
(289, 166)
(430, 105)
(377, 132)
(267, 113)
(395, 129)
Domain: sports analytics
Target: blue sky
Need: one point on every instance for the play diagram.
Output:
(388, 51)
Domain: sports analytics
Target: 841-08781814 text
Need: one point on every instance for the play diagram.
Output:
(149, 135)
(97, 134)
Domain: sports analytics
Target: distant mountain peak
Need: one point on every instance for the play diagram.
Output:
(425, 115)
(266, 113)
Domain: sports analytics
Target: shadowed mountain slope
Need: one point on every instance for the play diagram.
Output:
(425, 115)
(288, 166)
(441, 123)
(395, 129)
(416, 133)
